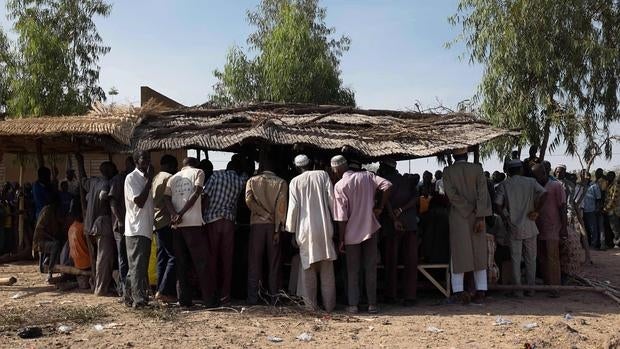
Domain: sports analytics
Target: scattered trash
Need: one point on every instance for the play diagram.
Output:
(305, 337)
(112, 325)
(44, 303)
(8, 281)
(433, 329)
(370, 328)
(65, 329)
(500, 321)
(66, 302)
(529, 346)
(386, 322)
(19, 295)
(274, 339)
(568, 316)
(98, 327)
(530, 326)
(583, 322)
(30, 332)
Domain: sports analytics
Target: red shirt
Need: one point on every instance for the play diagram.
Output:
(549, 220)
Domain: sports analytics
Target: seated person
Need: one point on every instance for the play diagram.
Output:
(50, 233)
(78, 248)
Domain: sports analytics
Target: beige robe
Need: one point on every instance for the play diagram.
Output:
(466, 188)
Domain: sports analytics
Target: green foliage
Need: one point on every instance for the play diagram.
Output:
(296, 60)
(5, 60)
(55, 61)
(550, 67)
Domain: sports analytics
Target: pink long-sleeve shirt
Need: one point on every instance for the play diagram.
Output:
(354, 197)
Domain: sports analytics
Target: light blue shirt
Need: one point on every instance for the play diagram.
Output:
(592, 195)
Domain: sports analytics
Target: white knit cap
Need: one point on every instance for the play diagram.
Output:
(301, 160)
(338, 161)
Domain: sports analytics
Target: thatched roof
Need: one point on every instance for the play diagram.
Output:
(104, 128)
(372, 133)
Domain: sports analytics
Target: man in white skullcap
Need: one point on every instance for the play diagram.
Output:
(466, 188)
(266, 196)
(356, 214)
(518, 200)
(309, 217)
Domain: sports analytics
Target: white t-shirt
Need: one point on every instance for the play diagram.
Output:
(180, 188)
(138, 221)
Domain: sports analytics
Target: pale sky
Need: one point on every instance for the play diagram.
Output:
(397, 54)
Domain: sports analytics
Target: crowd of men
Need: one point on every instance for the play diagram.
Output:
(343, 220)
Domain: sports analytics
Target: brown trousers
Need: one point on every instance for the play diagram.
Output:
(405, 245)
(261, 241)
(190, 246)
(549, 258)
(220, 245)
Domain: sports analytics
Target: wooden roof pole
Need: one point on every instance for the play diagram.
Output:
(40, 158)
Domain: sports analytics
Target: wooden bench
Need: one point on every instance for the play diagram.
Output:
(423, 269)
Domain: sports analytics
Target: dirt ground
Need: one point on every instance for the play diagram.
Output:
(104, 323)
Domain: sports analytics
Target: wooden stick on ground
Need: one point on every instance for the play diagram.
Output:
(66, 269)
(11, 280)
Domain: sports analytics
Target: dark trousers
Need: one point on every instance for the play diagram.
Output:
(261, 241)
(52, 248)
(166, 264)
(221, 238)
(138, 254)
(190, 249)
(405, 245)
(123, 265)
(364, 254)
(594, 227)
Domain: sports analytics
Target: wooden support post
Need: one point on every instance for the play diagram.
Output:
(40, 158)
(20, 204)
(81, 180)
(476, 154)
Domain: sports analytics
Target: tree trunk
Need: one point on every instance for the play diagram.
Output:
(545, 140)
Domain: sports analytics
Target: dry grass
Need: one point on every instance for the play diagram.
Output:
(160, 313)
(11, 318)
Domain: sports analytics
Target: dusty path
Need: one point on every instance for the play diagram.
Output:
(595, 321)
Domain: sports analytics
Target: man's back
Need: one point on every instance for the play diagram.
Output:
(223, 189)
(96, 204)
(180, 187)
(309, 216)
(466, 187)
(549, 221)
(266, 197)
(519, 194)
(311, 198)
(355, 194)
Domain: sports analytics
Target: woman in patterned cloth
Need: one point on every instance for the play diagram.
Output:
(572, 251)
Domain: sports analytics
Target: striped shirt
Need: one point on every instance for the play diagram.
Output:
(223, 189)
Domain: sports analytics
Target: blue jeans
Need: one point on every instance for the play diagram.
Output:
(166, 263)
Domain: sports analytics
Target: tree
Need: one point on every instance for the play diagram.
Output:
(55, 69)
(5, 60)
(296, 59)
(550, 67)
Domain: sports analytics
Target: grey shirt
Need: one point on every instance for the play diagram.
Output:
(518, 195)
(97, 204)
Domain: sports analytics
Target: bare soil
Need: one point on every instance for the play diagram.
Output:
(595, 320)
